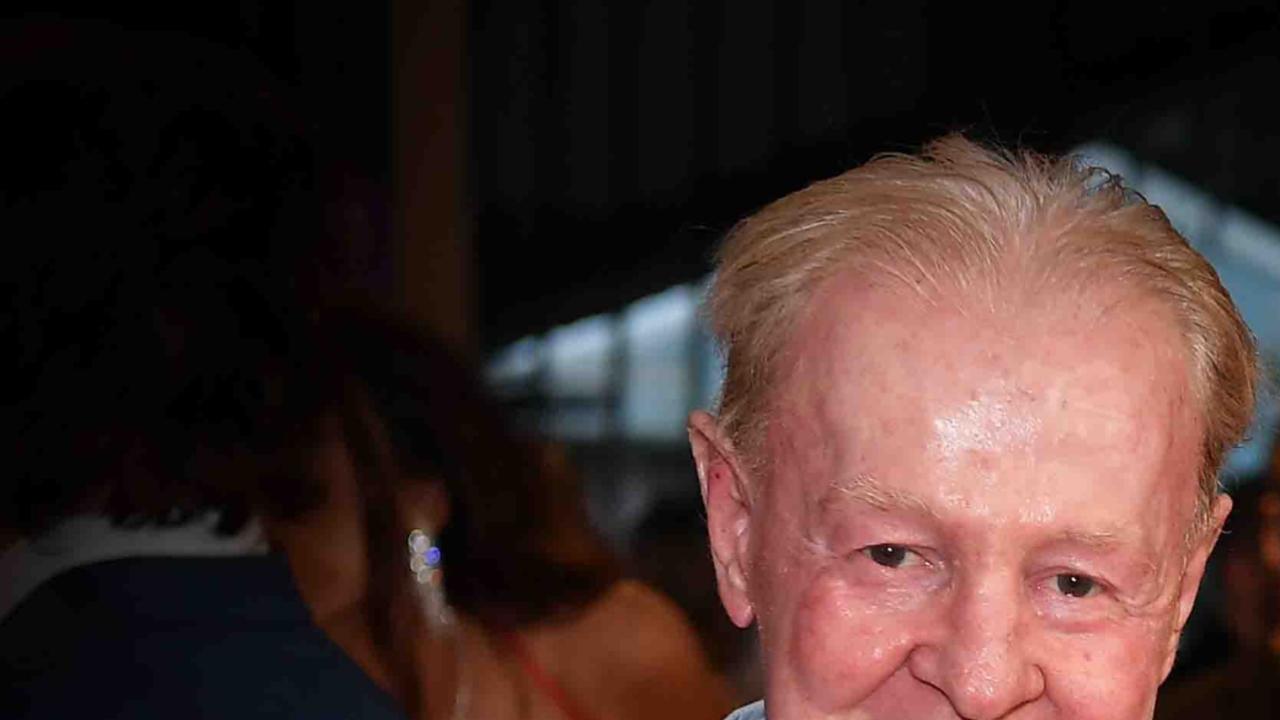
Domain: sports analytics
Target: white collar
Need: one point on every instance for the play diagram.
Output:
(754, 711)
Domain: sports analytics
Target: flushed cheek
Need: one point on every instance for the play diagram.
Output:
(1104, 676)
(843, 647)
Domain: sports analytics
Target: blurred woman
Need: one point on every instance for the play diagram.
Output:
(209, 497)
(515, 598)
(159, 203)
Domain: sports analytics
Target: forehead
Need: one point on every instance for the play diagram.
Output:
(930, 393)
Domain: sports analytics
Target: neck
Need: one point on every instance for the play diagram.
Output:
(325, 549)
(325, 546)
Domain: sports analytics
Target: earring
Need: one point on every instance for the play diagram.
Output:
(426, 563)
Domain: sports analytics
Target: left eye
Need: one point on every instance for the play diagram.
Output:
(890, 556)
(1076, 586)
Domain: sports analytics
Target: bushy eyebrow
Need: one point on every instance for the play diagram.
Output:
(867, 490)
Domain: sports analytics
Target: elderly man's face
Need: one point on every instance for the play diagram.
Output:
(964, 514)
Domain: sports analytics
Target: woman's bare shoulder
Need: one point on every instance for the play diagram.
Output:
(634, 601)
(628, 611)
(635, 644)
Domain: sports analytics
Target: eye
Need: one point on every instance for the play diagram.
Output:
(890, 556)
(1076, 586)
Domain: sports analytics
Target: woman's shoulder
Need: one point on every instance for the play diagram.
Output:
(632, 620)
(635, 645)
(634, 599)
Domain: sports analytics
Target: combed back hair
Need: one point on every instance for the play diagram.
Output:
(999, 228)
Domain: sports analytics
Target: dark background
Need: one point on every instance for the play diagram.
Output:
(515, 165)
(613, 142)
(596, 150)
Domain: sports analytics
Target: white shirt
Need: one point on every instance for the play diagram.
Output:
(85, 539)
(754, 711)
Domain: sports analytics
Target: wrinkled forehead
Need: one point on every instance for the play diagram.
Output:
(866, 361)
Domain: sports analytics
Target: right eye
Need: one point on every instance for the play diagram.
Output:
(1077, 586)
(891, 556)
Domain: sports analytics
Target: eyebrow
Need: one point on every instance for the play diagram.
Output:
(1097, 539)
(867, 490)
(1148, 568)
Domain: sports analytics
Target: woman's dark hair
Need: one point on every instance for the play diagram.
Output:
(518, 545)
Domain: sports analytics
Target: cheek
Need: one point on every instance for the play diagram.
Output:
(1107, 675)
(844, 647)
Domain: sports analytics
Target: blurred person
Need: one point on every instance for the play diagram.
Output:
(162, 399)
(209, 499)
(518, 592)
(965, 461)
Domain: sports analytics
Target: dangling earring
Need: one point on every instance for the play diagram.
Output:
(426, 563)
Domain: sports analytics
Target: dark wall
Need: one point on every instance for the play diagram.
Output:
(610, 144)
(614, 142)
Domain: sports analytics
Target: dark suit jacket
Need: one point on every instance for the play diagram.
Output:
(177, 638)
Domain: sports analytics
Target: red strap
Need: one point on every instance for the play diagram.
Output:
(546, 683)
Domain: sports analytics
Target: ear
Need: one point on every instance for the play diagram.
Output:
(424, 503)
(728, 505)
(1194, 572)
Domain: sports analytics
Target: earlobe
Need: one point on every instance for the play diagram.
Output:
(728, 513)
(424, 501)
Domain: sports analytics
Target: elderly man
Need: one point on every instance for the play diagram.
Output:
(965, 459)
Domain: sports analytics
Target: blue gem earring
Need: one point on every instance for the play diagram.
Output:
(426, 563)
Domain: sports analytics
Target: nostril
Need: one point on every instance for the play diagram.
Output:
(924, 664)
(1037, 681)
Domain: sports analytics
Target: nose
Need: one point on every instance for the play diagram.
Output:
(978, 657)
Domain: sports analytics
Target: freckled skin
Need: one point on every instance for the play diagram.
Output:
(1009, 454)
